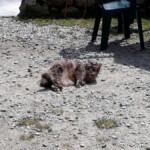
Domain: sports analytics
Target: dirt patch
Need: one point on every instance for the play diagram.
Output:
(122, 91)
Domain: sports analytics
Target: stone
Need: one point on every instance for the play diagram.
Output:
(42, 6)
(44, 145)
(103, 146)
(82, 145)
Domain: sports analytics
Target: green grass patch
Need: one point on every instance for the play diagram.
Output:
(146, 23)
(106, 123)
(70, 22)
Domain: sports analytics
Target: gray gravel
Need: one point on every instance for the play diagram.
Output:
(122, 91)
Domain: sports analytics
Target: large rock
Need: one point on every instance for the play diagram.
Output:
(59, 3)
(34, 5)
(85, 3)
(43, 5)
(75, 3)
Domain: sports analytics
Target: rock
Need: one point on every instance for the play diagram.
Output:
(29, 70)
(128, 125)
(58, 3)
(15, 62)
(27, 5)
(82, 3)
(50, 130)
(75, 137)
(44, 145)
(11, 116)
(103, 146)
(44, 6)
(27, 89)
(82, 145)
(3, 110)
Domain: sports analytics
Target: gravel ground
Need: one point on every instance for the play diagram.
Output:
(122, 91)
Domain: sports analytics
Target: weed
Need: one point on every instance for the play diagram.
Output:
(57, 111)
(27, 136)
(102, 139)
(33, 122)
(67, 146)
(27, 122)
(42, 126)
(106, 123)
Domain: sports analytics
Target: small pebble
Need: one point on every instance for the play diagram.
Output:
(103, 146)
(44, 145)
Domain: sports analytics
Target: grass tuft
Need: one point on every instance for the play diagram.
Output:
(27, 137)
(42, 126)
(33, 122)
(27, 122)
(102, 139)
(106, 123)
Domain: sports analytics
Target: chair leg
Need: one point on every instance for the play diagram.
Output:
(96, 25)
(126, 23)
(105, 31)
(138, 14)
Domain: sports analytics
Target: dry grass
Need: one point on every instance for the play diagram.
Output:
(102, 139)
(106, 123)
(33, 122)
(67, 146)
(27, 136)
(57, 111)
(28, 122)
(42, 126)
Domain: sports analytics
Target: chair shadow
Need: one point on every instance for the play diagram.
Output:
(129, 54)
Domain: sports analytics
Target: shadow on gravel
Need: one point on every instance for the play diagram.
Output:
(129, 55)
(42, 90)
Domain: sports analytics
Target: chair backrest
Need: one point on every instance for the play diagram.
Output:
(133, 3)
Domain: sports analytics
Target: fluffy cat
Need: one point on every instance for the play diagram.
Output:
(68, 73)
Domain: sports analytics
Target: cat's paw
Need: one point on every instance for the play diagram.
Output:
(80, 83)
